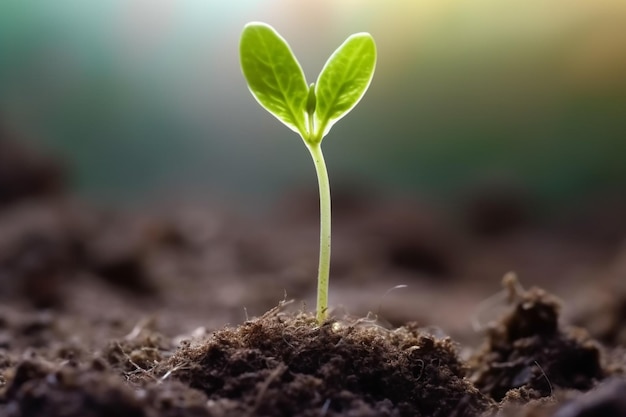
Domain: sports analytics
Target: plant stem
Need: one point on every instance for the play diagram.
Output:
(324, 265)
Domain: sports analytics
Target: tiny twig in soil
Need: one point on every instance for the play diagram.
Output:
(139, 327)
(171, 372)
(325, 408)
(380, 303)
(545, 376)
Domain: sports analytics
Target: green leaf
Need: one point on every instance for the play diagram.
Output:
(274, 76)
(343, 81)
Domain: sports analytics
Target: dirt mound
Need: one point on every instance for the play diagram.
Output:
(281, 365)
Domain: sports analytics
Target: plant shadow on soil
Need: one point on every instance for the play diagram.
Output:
(78, 334)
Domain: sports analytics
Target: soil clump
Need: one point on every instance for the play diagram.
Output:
(116, 313)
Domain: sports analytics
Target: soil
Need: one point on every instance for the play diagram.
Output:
(189, 311)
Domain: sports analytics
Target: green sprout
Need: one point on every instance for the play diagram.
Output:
(275, 78)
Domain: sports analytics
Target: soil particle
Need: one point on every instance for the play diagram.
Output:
(285, 365)
(528, 355)
(39, 390)
(138, 353)
(38, 387)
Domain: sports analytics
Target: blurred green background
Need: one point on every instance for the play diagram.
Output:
(145, 97)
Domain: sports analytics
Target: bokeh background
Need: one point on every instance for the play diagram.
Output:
(145, 98)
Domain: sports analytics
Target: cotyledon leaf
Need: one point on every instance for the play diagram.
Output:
(343, 81)
(274, 75)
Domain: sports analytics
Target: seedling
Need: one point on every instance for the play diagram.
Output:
(275, 78)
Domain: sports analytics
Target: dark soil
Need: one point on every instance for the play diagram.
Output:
(286, 365)
(152, 313)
